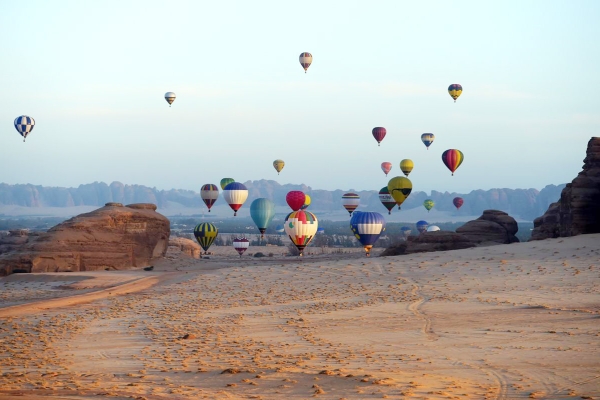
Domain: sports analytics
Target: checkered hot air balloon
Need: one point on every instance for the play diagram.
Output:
(24, 125)
(305, 60)
(301, 226)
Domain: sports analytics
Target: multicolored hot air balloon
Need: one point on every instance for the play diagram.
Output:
(428, 204)
(379, 134)
(405, 230)
(399, 188)
(262, 211)
(235, 194)
(422, 226)
(433, 228)
(454, 91)
(406, 166)
(367, 226)
(295, 199)
(458, 202)
(24, 125)
(307, 201)
(241, 245)
(305, 60)
(278, 165)
(427, 139)
(386, 199)
(452, 158)
(301, 226)
(386, 167)
(170, 98)
(350, 201)
(209, 194)
(225, 182)
(205, 234)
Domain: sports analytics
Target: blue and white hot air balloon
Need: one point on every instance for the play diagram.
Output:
(24, 125)
(367, 226)
(422, 226)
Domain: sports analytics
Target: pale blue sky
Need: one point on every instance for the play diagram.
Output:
(93, 75)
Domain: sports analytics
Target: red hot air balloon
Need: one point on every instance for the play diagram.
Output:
(386, 167)
(379, 134)
(458, 202)
(295, 199)
(453, 158)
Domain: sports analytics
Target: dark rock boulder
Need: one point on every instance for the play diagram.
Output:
(429, 241)
(578, 211)
(112, 237)
(493, 227)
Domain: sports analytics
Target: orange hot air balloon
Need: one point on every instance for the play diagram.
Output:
(452, 158)
(386, 167)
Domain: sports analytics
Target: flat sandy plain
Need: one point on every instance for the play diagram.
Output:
(505, 322)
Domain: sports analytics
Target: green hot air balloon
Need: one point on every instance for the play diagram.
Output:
(262, 212)
(428, 204)
(225, 182)
(205, 234)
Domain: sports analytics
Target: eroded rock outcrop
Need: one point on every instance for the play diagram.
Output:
(429, 241)
(578, 210)
(112, 237)
(186, 246)
(493, 227)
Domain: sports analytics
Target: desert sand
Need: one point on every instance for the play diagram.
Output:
(503, 322)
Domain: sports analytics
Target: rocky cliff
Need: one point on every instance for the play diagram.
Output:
(578, 210)
(493, 227)
(112, 237)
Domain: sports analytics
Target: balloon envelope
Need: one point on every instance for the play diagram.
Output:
(305, 60)
(428, 204)
(422, 226)
(295, 199)
(399, 188)
(386, 199)
(386, 167)
(452, 158)
(301, 226)
(278, 165)
(367, 227)
(405, 231)
(307, 201)
(226, 181)
(350, 201)
(454, 91)
(235, 194)
(209, 194)
(205, 233)
(241, 245)
(262, 211)
(433, 228)
(279, 229)
(170, 98)
(458, 202)
(379, 133)
(406, 166)
(427, 139)
(24, 125)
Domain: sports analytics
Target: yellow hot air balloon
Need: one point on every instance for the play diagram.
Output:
(278, 165)
(406, 166)
(399, 188)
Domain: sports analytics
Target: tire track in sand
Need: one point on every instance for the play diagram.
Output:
(416, 307)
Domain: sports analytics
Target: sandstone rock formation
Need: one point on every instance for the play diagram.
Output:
(578, 210)
(429, 241)
(112, 237)
(186, 246)
(493, 227)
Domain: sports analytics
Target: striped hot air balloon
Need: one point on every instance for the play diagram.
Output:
(386, 167)
(367, 227)
(378, 133)
(301, 226)
(235, 194)
(305, 60)
(209, 194)
(295, 199)
(262, 211)
(455, 91)
(406, 166)
(205, 233)
(386, 199)
(241, 245)
(170, 98)
(226, 181)
(24, 125)
(427, 139)
(452, 158)
(350, 201)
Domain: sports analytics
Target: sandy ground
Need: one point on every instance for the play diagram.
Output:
(505, 322)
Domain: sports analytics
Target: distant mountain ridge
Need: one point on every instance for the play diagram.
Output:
(526, 204)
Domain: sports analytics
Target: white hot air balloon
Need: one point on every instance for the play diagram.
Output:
(170, 97)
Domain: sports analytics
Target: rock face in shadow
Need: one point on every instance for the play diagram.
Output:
(429, 241)
(112, 237)
(493, 227)
(578, 210)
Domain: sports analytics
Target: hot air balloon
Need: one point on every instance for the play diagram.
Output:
(458, 202)
(367, 226)
(406, 166)
(235, 194)
(305, 60)
(453, 158)
(307, 201)
(454, 90)
(405, 230)
(422, 226)
(241, 245)
(427, 139)
(24, 125)
(399, 188)
(386, 167)
(386, 199)
(278, 165)
(170, 98)
(262, 212)
(301, 226)
(225, 182)
(379, 134)
(320, 231)
(428, 204)
(279, 229)
(433, 228)
(209, 194)
(350, 201)
(295, 199)
(205, 234)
